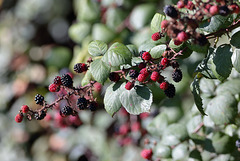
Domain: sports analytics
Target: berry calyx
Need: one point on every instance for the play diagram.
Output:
(177, 75)
(170, 11)
(82, 103)
(164, 61)
(19, 118)
(163, 85)
(80, 67)
(39, 99)
(146, 56)
(25, 108)
(142, 77)
(129, 85)
(180, 4)
(67, 80)
(53, 88)
(164, 24)
(170, 91)
(155, 76)
(66, 110)
(156, 36)
(213, 10)
(57, 81)
(146, 153)
(114, 77)
(182, 36)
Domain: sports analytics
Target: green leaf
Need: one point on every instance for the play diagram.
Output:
(198, 48)
(117, 55)
(222, 108)
(111, 98)
(156, 22)
(231, 86)
(146, 46)
(136, 61)
(114, 17)
(180, 152)
(196, 94)
(97, 48)
(186, 51)
(158, 125)
(236, 59)
(235, 37)
(87, 78)
(79, 31)
(193, 124)
(221, 62)
(217, 22)
(100, 71)
(133, 49)
(102, 32)
(141, 15)
(137, 100)
(157, 51)
(174, 134)
(88, 11)
(207, 87)
(222, 143)
(162, 151)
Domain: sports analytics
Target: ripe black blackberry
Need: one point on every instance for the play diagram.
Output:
(177, 75)
(40, 115)
(170, 91)
(66, 80)
(92, 106)
(133, 73)
(170, 11)
(82, 103)
(238, 143)
(80, 67)
(66, 110)
(224, 11)
(114, 77)
(39, 99)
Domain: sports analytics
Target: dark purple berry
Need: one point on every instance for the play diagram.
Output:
(133, 73)
(170, 11)
(40, 115)
(82, 103)
(170, 91)
(80, 67)
(114, 77)
(66, 110)
(92, 106)
(224, 11)
(177, 75)
(39, 99)
(67, 80)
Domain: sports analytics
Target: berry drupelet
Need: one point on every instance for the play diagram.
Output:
(67, 80)
(82, 103)
(66, 110)
(40, 115)
(57, 80)
(39, 99)
(177, 75)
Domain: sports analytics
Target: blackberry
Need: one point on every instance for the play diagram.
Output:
(224, 11)
(177, 75)
(66, 110)
(170, 11)
(80, 67)
(82, 103)
(40, 115)
(114, 77)
(170, 91)
(92, 106)
(133, 73)
(238, 143)
(57, 81)
(66, 80)
(129, 85)
(39, 99)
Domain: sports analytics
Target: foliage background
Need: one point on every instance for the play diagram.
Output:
(41, 39)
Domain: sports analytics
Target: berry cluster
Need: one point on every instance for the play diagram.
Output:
(181, 26)
(63, 85)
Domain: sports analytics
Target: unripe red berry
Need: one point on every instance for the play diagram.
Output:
(135, 126)
(177, 42)
(146, 153)
(25, 108)
(164, 61)
(141, 77)
(182, 36)
(53, 88)
(141, 65)
(156, 36)
(155, 76)
(208, 6)
(190, 5)
(164, 24)
(19, 118)
(97, 87)
(57, 80)
(129, 85)
(235, 8)
(213, 10)
(180, 4)
(123, 130)
(164, 85)
(80, 67)
(146, 56)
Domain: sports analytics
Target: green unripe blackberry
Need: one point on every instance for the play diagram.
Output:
(40, 115)
(66, 80)
(39, 99)
(82, 103)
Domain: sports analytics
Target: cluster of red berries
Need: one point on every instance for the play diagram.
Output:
(150, 70)
(182, 26)
(64, 86)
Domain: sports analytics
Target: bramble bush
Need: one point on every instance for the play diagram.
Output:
(129, 69)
